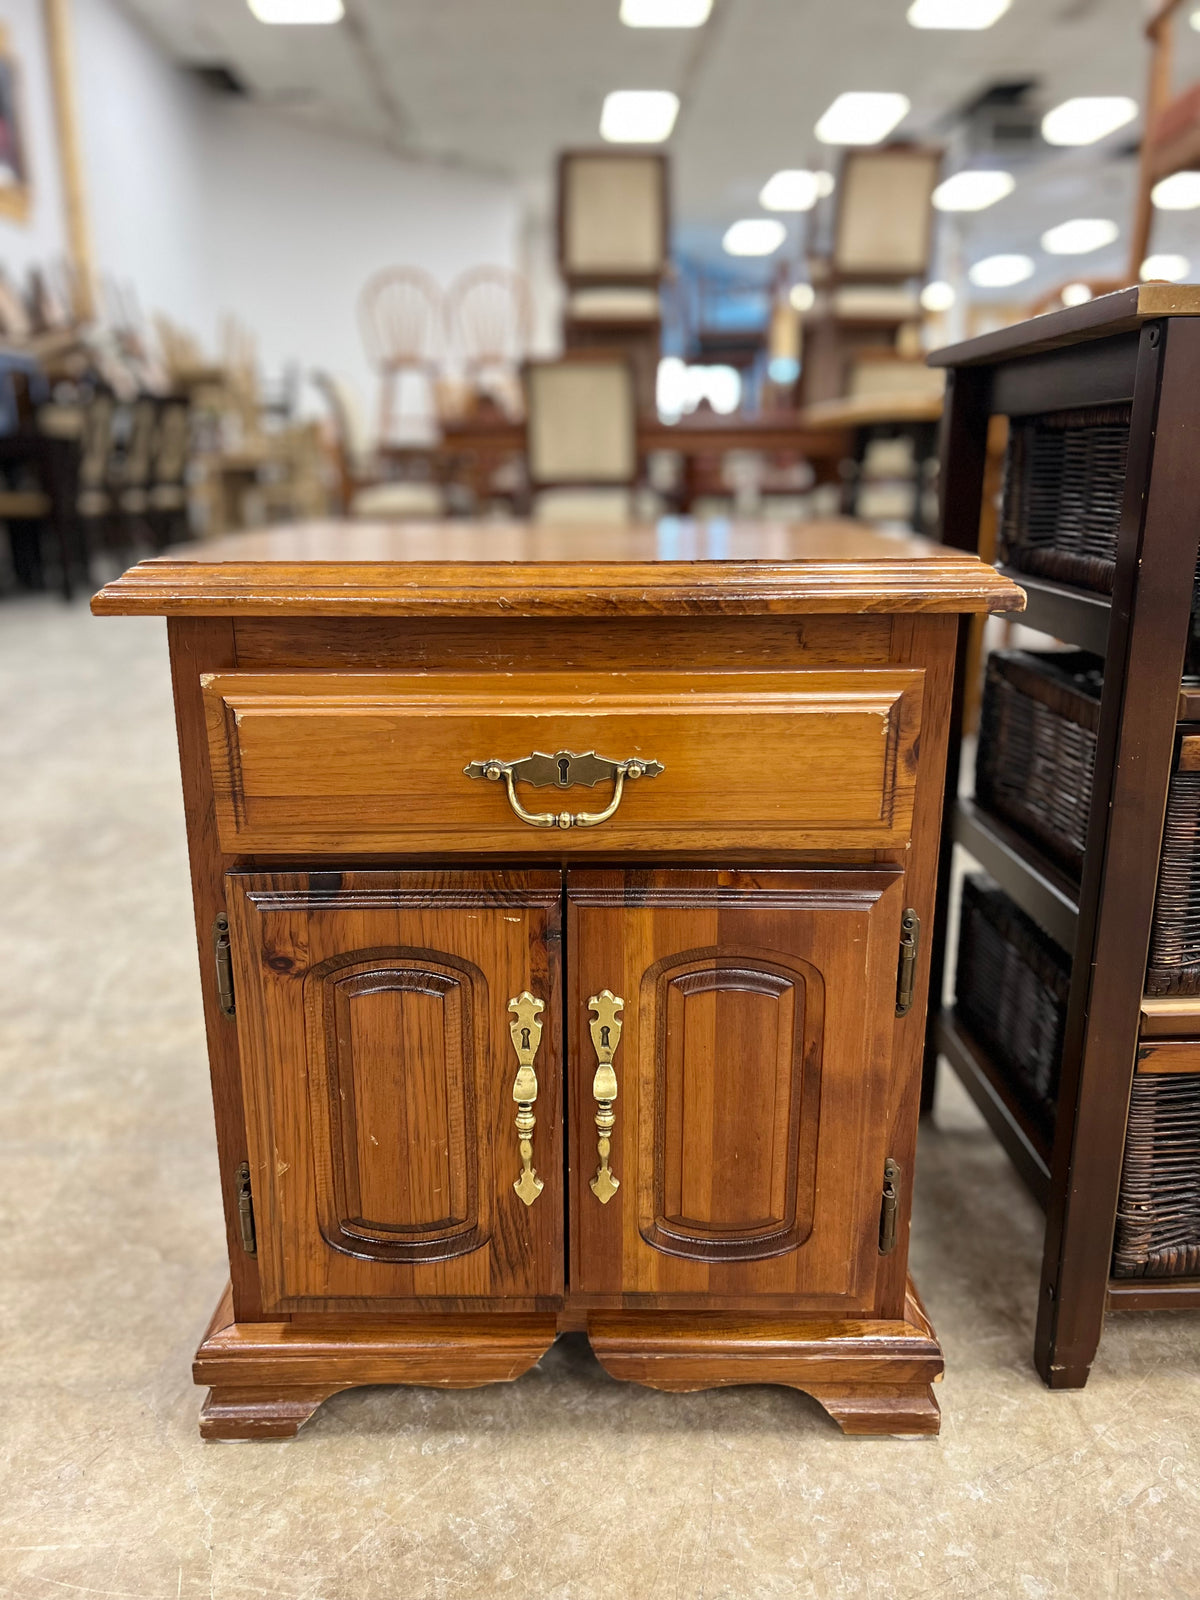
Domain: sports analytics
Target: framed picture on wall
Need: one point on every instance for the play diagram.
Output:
(14, 170)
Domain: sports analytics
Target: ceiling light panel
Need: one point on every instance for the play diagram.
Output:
(665, 13)
(860, 118)
(791, 190)
(1179, 192)
(1075, 294)
(938, 296)
(964, 14)
(1000, 272)
(754, 236)
(973, 191)
(802, 296)
(1173, 268)
(1080, 236)
(1088, 118)
(638, 116)
(295, 12)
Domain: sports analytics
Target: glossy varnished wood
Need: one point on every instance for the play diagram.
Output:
(451, 569)
(355, 968)
(384, 1170)
(345, 762)
(265, 1379)
(872, 1376)
(753, 1069)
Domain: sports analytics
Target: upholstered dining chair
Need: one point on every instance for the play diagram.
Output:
(366, 491)
(581, 439)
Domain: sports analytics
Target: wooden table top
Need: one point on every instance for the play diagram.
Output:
(702, 435)
(866, 410)
(344, 568)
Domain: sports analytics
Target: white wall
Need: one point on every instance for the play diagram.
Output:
(40, 241)
(140, 121)
(208, 204)
(299, 219)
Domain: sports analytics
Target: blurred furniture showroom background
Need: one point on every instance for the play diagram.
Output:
(245, 280)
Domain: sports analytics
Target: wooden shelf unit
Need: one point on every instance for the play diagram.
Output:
(1073, 615)
(1138, 347)
(1021, 1135)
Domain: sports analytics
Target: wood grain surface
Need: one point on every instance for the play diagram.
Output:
(754, 1068)
(480, 569)
(344, 762)
(374, 1024)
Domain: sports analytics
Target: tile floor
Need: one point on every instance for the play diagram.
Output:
(564, 1486)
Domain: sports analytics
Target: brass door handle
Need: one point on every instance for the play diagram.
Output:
(563, 770)
(606, 1036)
(526, 1033)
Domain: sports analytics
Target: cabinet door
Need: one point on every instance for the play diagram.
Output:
(752, 1070)
(379, 1064)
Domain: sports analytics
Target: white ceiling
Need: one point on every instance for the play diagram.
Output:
(501, 85)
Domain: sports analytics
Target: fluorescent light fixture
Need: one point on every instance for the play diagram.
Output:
(1080, 236)
(791, 190)
(754, 236)
(973, 191)
(938, 296)
(802, 296)
(297, 11)
(1179, 192)
(1088, 118)
(1000, 272)
(1194, 19)
(638, 116)
(1173, 268)
(1076, 294)
(956, 13)
(859, 118)
(665, 13)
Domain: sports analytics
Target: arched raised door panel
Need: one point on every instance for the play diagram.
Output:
(752, 1080)
(403, 1171)
(378, 1070)
(729, 1102)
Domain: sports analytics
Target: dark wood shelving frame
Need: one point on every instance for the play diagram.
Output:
(1137, 347)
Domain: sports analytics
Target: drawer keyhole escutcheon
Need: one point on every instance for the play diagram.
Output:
(526, 1031)
(563, 770)
(606, 1036)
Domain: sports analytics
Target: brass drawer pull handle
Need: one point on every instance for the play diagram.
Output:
(606, 1036)
(526, 1033)
(563, 770)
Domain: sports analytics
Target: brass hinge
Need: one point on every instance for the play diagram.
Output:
(245, 1205)
(223, 956)
(910, 946)
(890, 1206)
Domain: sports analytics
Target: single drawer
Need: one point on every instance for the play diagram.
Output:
(363, 761)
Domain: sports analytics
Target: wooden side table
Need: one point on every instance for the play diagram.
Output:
(559, 900)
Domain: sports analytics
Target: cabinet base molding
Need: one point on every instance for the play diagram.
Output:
(266, 1379)
(872, 1377)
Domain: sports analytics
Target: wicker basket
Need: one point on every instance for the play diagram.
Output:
(1064, 482)
(1011, 986)
(1158, 1212)
(1174, 965)
(1037, 746)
